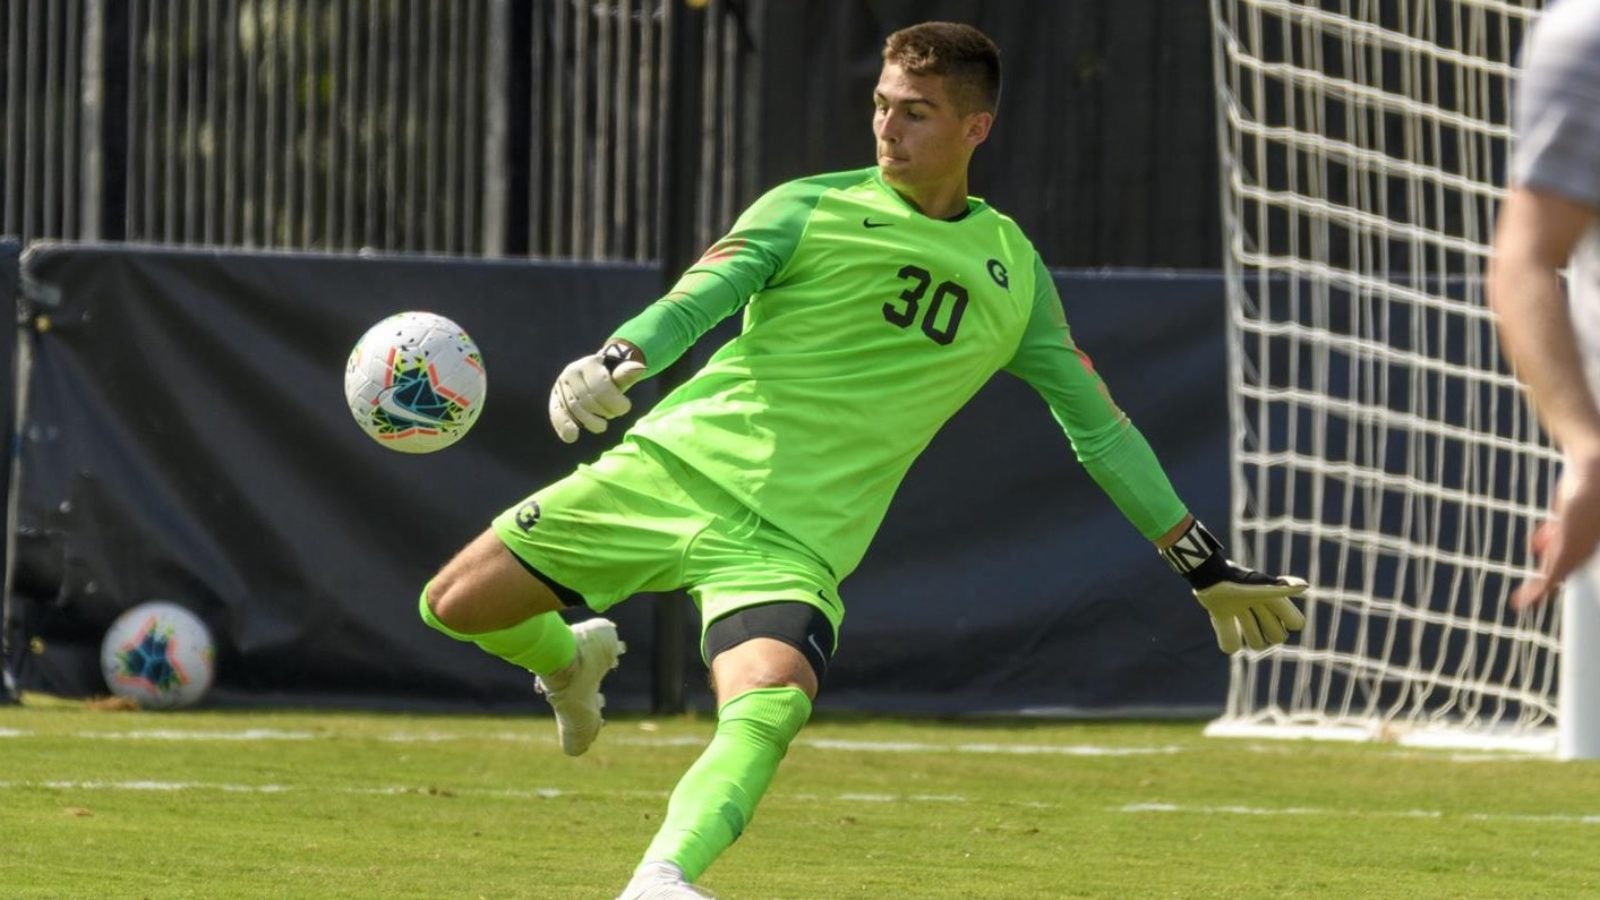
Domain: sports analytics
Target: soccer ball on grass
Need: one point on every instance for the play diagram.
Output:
(159, 655)
(415, 382)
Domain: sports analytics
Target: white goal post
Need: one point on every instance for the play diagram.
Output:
(1380, 447)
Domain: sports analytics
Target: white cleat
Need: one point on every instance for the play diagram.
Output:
(574, 692)
(660, 881)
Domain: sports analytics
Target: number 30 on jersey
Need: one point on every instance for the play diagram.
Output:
(942, 317)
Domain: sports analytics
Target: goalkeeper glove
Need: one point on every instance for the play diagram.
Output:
(588, 392)
(1242, 602)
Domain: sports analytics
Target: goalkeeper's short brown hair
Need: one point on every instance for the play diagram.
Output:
(964, 56)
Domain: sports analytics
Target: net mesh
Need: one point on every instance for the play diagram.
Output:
(1380, 447)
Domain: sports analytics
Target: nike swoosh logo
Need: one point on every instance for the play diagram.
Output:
(868, 223)
(813, 641)
(386, 402)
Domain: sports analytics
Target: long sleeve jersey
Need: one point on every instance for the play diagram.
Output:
(867, 325)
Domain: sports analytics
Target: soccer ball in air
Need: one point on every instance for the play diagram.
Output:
(159, 655)
(415, 382)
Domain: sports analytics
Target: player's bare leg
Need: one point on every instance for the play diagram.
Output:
(484, 595)
(483, 588)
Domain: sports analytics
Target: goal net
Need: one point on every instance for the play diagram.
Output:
(1380, 447)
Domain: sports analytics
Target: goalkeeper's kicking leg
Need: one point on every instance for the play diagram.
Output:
(764, 688)
(485, 596)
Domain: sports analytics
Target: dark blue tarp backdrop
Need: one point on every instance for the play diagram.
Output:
(188, 441)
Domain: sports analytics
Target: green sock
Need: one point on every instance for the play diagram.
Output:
(717, 796)
(542, 644)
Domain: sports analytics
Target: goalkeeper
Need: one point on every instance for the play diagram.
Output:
(876, 303)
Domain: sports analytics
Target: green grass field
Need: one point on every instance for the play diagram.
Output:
(265, 804)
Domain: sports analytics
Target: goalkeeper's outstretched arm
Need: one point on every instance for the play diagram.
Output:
(1247, 608)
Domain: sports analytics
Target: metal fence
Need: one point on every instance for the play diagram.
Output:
(45, 107)
(479, 127)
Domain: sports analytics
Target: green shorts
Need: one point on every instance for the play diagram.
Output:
(639, 520)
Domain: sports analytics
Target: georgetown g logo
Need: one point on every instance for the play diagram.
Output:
(997, 271)
(528, 515)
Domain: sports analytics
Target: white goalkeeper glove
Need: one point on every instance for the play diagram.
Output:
(589, 391)
(1243, 603)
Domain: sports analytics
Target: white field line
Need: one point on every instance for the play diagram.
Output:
(846, 745)
(226, 788)
(551, 793)
(1315, 812)
(984, 748)
(436, 737)
(544, 793)
(169, 734)
(1302, 748)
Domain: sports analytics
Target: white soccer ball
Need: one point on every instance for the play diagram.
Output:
(415, 382)
(159, 655)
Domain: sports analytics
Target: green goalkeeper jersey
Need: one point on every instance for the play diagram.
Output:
(867, 325)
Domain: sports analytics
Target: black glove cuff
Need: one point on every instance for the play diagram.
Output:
(1198, 557)
(616, 353)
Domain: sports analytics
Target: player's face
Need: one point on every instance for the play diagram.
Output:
(922, 137)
